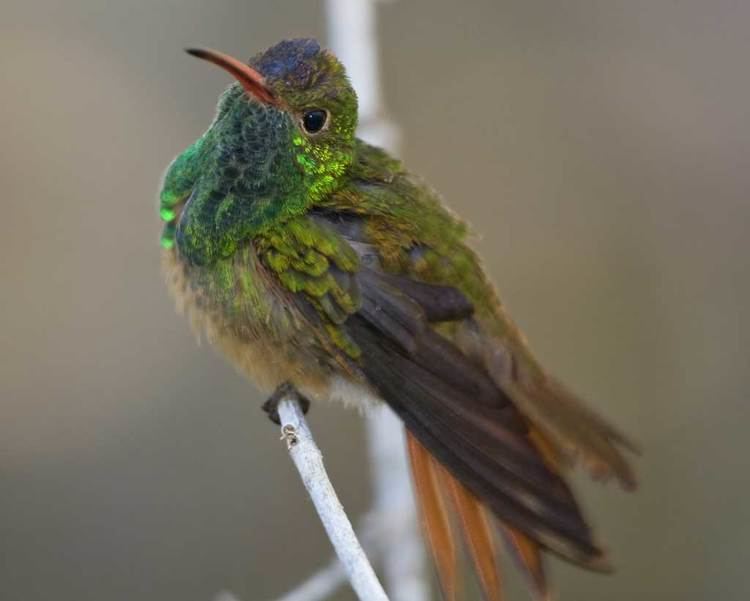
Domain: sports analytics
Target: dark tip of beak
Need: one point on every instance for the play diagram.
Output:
(197, 52)
(252, 81)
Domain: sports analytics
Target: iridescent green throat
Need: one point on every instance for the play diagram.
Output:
(251, 170)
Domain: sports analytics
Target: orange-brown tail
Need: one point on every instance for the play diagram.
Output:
(446, 505)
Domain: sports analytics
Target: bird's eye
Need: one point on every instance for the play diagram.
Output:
(314, 120)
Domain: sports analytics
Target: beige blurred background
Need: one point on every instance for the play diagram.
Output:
(599, 148)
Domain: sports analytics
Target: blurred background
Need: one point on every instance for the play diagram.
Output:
(600, 150)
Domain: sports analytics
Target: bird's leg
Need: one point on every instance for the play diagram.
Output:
(283, 391)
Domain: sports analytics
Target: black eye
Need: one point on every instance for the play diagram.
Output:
(313, 121)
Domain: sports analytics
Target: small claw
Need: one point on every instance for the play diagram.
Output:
(283, 391)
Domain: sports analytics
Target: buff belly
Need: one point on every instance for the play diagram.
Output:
(262, 349)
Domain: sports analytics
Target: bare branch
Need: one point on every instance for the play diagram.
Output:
(321, 585)
(309, 462)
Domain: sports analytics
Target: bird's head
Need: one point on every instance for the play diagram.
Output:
(283, 138)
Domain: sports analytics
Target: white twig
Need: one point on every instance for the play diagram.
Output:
(321, 585)
(309, 462)
(398, 540)
(376, 538)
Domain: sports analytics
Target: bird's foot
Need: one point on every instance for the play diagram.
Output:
(284, 391)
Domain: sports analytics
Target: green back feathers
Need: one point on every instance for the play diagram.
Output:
(415, 234)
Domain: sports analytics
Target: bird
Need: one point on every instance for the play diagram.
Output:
(319, 264)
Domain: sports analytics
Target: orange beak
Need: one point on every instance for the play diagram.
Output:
(253, 82)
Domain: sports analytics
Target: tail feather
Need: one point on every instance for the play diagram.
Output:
(529, 558)
(433, 510)
(444, 502)
(477, 530)
(576, 430)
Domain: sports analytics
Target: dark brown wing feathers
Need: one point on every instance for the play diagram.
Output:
(460, 415)
(472, 451)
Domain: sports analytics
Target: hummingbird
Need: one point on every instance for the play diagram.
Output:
(320, 264)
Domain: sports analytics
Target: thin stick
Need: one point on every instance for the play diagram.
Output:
(309, 462)
(319, 586)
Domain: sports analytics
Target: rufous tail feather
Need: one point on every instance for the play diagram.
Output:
(576, 431)
(441, 497)
(477, 530)
(433, 511)
(529, 558)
